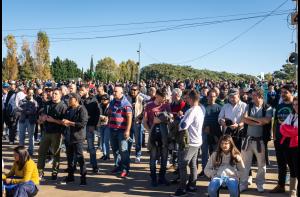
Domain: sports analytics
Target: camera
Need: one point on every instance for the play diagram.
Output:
(228, 122)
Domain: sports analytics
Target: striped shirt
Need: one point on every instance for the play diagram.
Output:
(117, 112)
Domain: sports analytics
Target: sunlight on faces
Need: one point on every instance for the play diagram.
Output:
(118, 92)
(56, 96)
(234, 99)
(225, 145)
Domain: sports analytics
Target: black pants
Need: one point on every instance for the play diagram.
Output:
(75, 149)
(286, 156)
(12, 126)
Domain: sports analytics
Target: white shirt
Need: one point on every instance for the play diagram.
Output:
(234, 113)
(290, 118)
(193, 121)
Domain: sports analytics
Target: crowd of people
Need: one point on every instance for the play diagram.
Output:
(225, 123)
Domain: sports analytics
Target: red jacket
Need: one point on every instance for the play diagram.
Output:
(289, 131)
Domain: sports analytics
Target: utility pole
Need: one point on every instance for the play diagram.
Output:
(139, 64)
(294, 21)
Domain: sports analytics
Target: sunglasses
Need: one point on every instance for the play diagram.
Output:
(133, 89)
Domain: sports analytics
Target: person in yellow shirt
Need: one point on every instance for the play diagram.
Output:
(23, 178)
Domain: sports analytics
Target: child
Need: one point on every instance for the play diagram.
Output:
(224, 167)
(23, 177)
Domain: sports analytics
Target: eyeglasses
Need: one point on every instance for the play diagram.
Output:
(133, 89)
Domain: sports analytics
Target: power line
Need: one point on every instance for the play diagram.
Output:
(131, 23)
(170, 28)
(234, 38)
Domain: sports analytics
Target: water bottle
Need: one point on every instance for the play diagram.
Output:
(224, 178)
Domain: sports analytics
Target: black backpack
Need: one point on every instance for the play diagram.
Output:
(267, 127)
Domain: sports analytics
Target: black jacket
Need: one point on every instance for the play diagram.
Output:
(80, 117)
(56, 111)
(93, 110)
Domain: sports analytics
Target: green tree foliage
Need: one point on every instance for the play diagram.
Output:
(11, 69)
(64, 69)
(42, 61)
(107, 70)
(170, 72)
(288, 73)
(27, 63)
(128, 70)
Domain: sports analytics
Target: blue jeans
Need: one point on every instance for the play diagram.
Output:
(136, 132)
(232, 185)
(104, 133)
(90, 136)
(22, 133)
(119, 148)
(21, 189)
(204, 150)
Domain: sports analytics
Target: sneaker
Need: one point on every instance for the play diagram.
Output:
(50, 161)
(96, 170)
(260, 188)
(138, 160)
(243, 188)
(163, 181)
(68, 179)
(201, 174)
(124, 174)
(54, 177)
(278, 189)
(180, 192)
(250, 180)
(83, 181)
(11, 143)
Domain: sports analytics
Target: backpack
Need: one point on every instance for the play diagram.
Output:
(267, 127)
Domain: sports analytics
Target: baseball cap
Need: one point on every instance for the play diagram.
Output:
(233, 91)
(5, 85)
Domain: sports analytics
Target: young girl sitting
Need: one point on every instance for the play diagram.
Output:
(224, 167)
(23, 177)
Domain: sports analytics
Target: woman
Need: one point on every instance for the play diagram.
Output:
(23, 178)
(289, 131)
(224, 167)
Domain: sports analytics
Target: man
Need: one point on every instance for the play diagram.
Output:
(231, 115)
(272, 97)
(222, 98)
(92, 108)
(257, 114)
(192, 122)
(5, 89)
(28, 116)
(152, 93)
(76, 118)
(136, 100)
(281, 113)
(158, 140)
(13, 103)
(211, 128)
(65, 94)
(120, 120)
(51, 116)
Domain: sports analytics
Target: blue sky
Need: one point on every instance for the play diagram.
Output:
(263, 49)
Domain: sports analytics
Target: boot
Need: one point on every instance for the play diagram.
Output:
(293, 187)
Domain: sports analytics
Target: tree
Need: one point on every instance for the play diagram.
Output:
(27, 64)
(11, 62)
(107, 70)
(288, 72)
(64, 69)
(42, 61)
(128, 70)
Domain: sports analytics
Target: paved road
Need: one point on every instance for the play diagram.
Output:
(137, 184)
